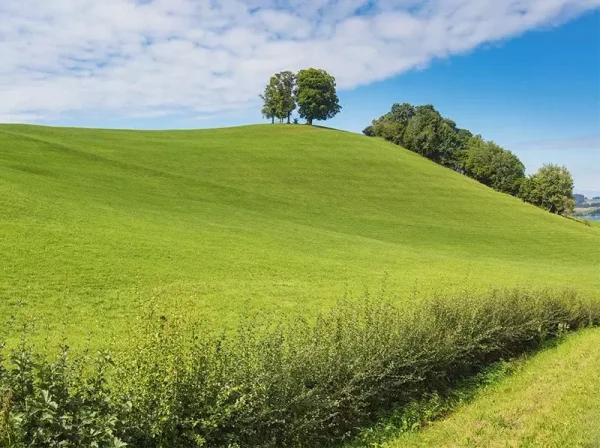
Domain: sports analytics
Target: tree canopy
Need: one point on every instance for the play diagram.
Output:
(551, 188)
(312, 90)
(493, 166)
(270, 101)
(316, 95)
(286, 82)
(278, 97)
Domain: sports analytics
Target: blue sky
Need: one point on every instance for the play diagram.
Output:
(524, 73)
(537, 95)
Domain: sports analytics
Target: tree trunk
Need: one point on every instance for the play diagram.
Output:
(309, 121)
(273, 119)
(289, 115)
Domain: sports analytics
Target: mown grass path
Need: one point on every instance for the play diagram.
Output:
(552, 401)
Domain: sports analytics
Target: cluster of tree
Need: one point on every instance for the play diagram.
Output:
(587, 207)
(424, 130)
(312, 91)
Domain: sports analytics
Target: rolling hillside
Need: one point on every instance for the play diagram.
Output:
(271, 217)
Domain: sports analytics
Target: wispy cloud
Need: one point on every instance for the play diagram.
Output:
(145, 58)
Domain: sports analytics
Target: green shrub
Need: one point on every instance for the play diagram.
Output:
(54, 404)
(270, 384)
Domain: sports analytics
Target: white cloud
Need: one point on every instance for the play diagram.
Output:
(147, 58)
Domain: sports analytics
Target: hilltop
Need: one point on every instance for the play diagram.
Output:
(269, 217)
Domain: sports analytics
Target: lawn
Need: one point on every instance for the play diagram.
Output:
(550, 402)
(289, 218)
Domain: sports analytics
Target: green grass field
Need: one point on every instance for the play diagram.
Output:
(551, 401)
(269, 217)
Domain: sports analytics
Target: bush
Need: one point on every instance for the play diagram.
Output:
(53, 403)
(551, 188)
(369, 131)
(293, 383)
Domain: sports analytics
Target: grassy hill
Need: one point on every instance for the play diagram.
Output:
(270, 217)
(551, 401)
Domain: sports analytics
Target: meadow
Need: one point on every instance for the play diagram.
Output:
(272, 286)
(281, 219)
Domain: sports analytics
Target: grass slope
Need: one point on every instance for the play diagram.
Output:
(552, 401)
(269, 217)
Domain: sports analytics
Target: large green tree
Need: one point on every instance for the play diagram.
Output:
(271, 100)
(392, 125)
(286, 82)
(493, 166)
(422, 129)
(316, 95)
(551, 188)
(278, 97)
(432, 136)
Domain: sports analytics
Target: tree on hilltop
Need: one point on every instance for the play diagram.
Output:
(278, 97)
(286, 82)
(313, 90)
(316, 95)
(271, 100)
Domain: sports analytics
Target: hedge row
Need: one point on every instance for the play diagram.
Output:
(295, 383)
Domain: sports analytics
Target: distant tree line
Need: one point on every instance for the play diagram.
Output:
(580, 200)
(424, 130)
(312, 91)
(583, 202)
